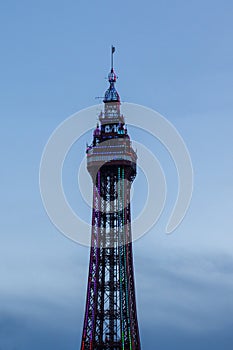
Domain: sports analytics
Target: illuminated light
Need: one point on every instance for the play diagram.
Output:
(125, 263)
(120, 265)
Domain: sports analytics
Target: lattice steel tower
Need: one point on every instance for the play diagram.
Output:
(110, 320)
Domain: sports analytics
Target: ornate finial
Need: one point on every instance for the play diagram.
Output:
(111, 95)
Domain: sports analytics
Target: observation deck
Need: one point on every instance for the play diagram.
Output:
(112, 154)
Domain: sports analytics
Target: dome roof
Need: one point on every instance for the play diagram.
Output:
(111, 95)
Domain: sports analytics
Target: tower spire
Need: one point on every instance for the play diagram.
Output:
(113, 50)
(111, 95)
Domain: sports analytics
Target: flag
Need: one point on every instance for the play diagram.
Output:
(113, 49)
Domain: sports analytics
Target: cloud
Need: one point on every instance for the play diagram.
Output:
(39, 324)
(42, 301)
(186, 292)
(184, 300)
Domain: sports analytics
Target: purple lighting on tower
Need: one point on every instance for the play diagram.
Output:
(110, 320)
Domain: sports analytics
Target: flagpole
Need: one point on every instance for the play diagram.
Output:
(113, 50)
(112, 59)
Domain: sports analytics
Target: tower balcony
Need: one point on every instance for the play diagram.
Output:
(110, 157)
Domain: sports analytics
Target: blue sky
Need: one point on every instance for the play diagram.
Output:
(173, 56)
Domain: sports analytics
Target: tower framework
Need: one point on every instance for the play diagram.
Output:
(110, 320)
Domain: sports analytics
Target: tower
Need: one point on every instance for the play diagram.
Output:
(110, 320)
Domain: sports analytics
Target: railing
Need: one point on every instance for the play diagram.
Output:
(99, 148)
(110, 157)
